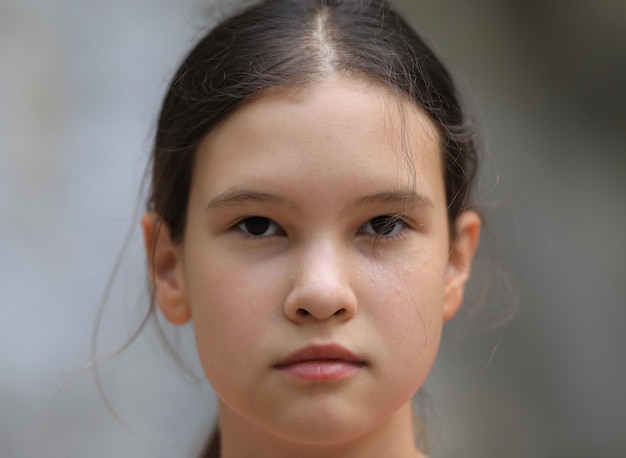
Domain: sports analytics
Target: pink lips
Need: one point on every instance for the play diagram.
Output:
(320, 363)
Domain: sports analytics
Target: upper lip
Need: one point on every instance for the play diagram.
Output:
(317, 352)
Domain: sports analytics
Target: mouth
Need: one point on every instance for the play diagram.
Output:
(320, 363)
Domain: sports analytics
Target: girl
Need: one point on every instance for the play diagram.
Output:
(309, 212)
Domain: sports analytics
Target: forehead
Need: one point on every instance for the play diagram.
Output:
(342, 126)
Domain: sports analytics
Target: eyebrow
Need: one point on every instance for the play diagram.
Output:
(234, 198)
(407, 198)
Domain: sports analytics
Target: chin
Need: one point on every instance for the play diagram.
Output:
(321, 438)
(326, 430)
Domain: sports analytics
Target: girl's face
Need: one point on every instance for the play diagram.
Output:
(316, 262)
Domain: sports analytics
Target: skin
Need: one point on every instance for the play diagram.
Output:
(320, 163)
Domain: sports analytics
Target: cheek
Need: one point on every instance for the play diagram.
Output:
(406, 304)
(410, 284)
(232, 305)
(402, 305)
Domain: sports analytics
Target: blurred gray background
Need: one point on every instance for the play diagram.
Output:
(80, 86)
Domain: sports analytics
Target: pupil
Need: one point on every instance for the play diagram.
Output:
(382, 225)
(257, 225)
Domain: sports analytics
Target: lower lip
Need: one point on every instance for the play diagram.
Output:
(322, 370)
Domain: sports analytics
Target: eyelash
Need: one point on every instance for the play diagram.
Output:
(396, 223)
(383, 223)
(240, 227)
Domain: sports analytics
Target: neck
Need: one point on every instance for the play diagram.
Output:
(394, 438)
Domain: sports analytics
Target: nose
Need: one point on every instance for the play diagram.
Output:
(321, 288)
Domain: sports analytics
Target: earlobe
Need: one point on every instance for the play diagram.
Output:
(460, 261)
(165, 270)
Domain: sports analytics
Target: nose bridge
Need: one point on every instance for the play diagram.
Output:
(322, 284)
(321, 261)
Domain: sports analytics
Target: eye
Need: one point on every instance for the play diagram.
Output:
(259, 226)
(383, 226)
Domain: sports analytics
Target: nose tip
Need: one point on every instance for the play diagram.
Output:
(306, 303)
(322, 289)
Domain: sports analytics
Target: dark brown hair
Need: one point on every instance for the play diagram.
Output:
(294, 43)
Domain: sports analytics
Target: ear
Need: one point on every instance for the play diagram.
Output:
(165, 270)
(460, 261)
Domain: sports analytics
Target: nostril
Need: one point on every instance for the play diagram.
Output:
(339, 312)
(303, 312)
